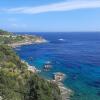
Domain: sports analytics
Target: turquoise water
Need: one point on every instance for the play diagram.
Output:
(77, 55)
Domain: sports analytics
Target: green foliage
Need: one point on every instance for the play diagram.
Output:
(40, 89)
(17, 83)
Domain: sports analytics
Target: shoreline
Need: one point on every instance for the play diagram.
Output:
(31, 68)
(65, 92)
(18, 44)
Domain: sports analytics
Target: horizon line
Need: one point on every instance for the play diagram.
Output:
(53, 31)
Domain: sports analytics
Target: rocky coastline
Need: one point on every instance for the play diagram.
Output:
(66, 93)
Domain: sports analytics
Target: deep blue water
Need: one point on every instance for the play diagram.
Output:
(78, 56)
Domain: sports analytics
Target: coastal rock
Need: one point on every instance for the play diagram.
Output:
(58, 76)
(65, 92)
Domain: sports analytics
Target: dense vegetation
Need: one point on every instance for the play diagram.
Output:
(18, 83)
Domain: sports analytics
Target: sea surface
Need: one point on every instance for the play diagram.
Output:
(76, 54)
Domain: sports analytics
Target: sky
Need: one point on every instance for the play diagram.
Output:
(50, 15)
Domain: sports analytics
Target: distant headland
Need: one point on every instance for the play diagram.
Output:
(15, 40)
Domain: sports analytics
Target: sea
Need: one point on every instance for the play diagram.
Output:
(76, 54)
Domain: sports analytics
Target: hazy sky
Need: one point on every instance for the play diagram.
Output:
(50, 15)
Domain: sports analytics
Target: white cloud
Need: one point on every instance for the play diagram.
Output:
(62, 6)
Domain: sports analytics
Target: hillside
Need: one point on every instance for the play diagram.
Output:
(17, 83)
